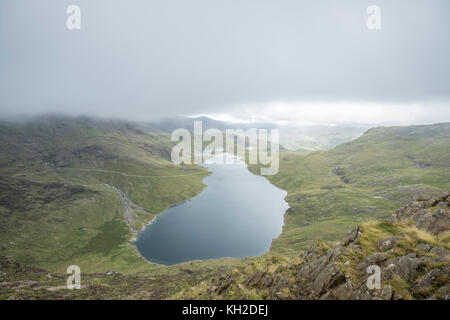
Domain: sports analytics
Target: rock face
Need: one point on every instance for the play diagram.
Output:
(431, 214)
(328, 282)
(317, 276)
(407, 266)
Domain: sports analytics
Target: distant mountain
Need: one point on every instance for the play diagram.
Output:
(169, 124)
(64, 141)
(318, 137)
(301, 138)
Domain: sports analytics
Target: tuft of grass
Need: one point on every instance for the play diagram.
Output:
(401, 286)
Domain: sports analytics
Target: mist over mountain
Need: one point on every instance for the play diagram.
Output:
(286, 60)
(101, 197)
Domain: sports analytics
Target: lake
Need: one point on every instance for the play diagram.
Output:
(236, 215)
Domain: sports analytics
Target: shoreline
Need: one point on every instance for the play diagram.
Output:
(135, 232)
(126, 214)
(269, 248)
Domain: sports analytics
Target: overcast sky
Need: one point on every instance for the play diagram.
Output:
(276, 60)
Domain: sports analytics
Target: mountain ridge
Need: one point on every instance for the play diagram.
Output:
(48, 180)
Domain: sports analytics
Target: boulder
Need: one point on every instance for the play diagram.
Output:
(330, 277)
(224, 283)
(254, 279)
(408, 267)
(276, 289)
(429, 213)
(385, 293)
(440, 253)
(375, 258)
(342, 292)
(425, 247)
(388, 243)
(433, 221)
(350, 237)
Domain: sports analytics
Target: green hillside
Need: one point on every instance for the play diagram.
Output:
(330, 192)
(62, 183)
(56, 205)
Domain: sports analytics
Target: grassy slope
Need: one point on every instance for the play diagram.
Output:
(46, 231)
(382, 173)
(46, 223)
(44, 201)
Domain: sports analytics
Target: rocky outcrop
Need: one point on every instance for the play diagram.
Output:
(429, 213)
(340, 172)
(388, 243)
(321, 273)
(130, 209)
(325, 277)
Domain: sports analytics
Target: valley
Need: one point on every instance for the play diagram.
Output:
(76, 190)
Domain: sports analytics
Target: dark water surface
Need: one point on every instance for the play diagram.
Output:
(236, 215)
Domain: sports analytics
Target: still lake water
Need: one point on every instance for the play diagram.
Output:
(236, 215)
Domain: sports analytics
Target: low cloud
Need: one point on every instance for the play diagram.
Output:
(358, 113)
(141, 59)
